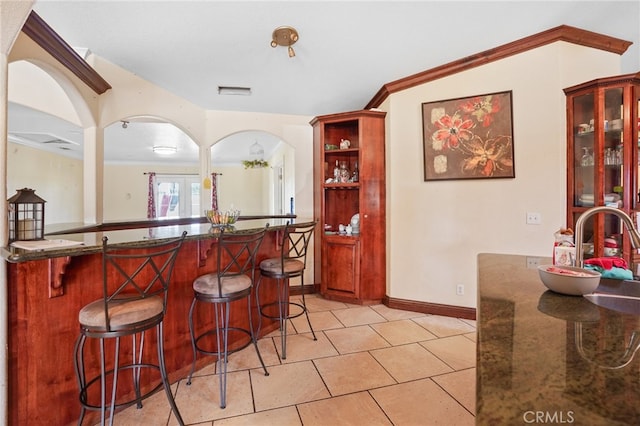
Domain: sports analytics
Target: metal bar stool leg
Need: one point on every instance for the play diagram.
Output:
(136, 370)
(304, 306)
(103, 384)
(115, 379)
(222, 357)
(283, 305)
(193, 341)
(163, 373)
(257, 305)
(78, 362)
(253, 335)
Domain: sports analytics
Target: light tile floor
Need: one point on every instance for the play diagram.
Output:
(370, 365)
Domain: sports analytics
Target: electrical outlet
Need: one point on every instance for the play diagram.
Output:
(460, 289)
(534, 218)
(533, 262)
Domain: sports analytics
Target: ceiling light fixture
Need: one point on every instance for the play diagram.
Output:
(285, 36)
(256, 151)
(165, 150)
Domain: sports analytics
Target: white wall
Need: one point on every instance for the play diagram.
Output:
(437, 228)
(56, 179)
(242, 189)
(126, 189)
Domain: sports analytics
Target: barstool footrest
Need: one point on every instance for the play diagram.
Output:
(219, 330)
(123, 404)
(289, 315)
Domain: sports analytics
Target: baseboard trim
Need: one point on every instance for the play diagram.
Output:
(308, 289)
(430, 308)
(406, 305)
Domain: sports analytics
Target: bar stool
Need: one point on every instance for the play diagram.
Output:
(232, 281)
(135, 284)
(290, 264)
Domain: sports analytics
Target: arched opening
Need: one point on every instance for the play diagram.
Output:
(243, 182)
(134, 148)
(44, 151)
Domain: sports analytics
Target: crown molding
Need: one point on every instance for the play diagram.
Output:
(40, 32)
(560, 33)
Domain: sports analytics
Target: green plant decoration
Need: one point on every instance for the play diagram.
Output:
(255, 164)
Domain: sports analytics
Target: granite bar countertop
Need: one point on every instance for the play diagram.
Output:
(91, 241)
(547, 358)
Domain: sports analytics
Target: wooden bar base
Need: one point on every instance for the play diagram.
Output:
(44, 328)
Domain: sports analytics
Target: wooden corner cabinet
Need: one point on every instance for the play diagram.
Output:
(602, 161)
(349, 179)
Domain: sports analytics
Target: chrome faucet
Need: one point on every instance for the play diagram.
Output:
(633, 232)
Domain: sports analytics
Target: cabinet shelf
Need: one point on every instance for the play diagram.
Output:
(590, 134)
(333, 234)
(354, 185)
(332, 152)
(607, 166)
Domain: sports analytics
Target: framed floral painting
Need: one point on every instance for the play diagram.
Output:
(468, 138)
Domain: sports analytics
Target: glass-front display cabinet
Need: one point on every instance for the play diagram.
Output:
(602, 161)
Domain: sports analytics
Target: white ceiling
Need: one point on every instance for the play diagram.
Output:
(346, 52)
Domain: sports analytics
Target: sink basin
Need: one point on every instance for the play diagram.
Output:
(620, 296)
(619, 303)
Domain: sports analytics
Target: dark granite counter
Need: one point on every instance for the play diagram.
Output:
(90, 237)
(548, 358)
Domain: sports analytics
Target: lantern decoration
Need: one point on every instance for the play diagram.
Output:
(26, 216)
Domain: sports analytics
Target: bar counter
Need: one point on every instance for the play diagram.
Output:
(547, 358)
(47, 289)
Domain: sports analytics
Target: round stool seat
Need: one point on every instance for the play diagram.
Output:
(274, 266)
(230, 285)
(122, 313)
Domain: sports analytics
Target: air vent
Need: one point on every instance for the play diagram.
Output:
(234, 90)
(33, 138)
(59, 141)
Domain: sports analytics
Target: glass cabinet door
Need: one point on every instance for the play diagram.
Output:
(599, 165)
(613, 171)
(613, 149)
(584, 151)
(635, 137)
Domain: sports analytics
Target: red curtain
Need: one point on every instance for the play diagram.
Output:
(151, 202)
(214, 191)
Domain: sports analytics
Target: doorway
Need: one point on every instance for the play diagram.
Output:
(177, 196)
